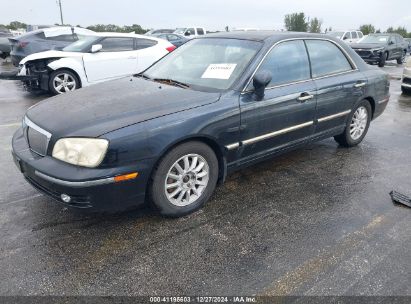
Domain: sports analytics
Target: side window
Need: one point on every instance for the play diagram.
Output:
(326, 58)
(145, 43)
(392, 40)
(191, 31)
(360, 35)
(346, 36)
(200, 31)
(65, 38)
(354, 35)
(117, 44)
(287, 62)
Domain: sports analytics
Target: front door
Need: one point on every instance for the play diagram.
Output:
(117, 58)
(285, 116)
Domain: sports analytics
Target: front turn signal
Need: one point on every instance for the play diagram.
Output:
(125, 177)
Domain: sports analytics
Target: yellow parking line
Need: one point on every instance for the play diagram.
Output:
(16, 124)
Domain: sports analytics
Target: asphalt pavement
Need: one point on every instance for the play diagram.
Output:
(315, 221)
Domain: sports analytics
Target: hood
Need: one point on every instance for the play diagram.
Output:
(105, 107)
(367, 46)
(50, 54)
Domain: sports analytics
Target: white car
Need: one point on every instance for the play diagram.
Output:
(406, 78)
(97, 58)
(351, 36)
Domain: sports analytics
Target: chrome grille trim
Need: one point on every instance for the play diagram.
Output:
(27, 123)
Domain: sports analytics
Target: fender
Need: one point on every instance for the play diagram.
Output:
(75, 64)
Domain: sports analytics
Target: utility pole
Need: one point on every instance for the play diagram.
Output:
(61, 12)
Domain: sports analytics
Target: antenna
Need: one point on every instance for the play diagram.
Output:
(61, 12)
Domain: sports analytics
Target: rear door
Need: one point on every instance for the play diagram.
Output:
(117, 58)
(285, 116)
(339, 84)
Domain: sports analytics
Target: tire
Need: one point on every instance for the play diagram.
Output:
(384, 57)
(350, 137)
(68, 81)
(402, 59)
(169, 201)
(405, 90)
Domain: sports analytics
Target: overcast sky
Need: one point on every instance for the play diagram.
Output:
(212, 14)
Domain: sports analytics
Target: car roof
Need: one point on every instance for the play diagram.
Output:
(262, 35)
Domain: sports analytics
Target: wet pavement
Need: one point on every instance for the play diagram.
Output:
(315, 221)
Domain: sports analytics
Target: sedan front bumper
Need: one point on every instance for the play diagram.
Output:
(86, 187)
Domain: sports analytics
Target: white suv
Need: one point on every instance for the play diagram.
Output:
(347, 36)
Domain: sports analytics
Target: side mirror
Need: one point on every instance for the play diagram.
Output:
(345, 38)
(96, 48)
(391, 42)
(187, 34)
(260, 82)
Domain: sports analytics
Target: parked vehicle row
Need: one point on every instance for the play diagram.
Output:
(175, 39)
(54, 38)
(378, 48)
(214, 105)
(97, 58)
(350, 36)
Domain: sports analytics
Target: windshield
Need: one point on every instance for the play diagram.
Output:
(376, 39)
(81, 45)
(336, 34)
(206, 64)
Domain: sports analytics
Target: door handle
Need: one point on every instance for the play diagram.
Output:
(359, 85)
(304, 97)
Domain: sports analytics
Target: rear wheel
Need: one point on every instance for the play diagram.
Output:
(405, 90)
(184, 179)
(402, 59)
(63, 81)
(357, 126)
(383, 59)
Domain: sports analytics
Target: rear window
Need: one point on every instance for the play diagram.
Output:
(145, 43)
(64, 38)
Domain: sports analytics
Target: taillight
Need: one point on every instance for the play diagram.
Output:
(22, 44)
(171, 48)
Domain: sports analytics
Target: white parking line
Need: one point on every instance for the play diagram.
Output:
(21, 200)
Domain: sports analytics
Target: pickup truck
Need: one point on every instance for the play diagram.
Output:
(378, 48)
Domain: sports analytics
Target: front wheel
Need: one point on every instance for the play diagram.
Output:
(383, 59)
(357, 126)
(184, 179)
(63, 81)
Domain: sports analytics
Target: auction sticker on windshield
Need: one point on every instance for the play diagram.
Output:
(219, 71)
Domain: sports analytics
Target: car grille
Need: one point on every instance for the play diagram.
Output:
(37, 138)
(363, 53)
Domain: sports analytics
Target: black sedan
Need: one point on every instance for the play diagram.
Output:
(175, 39)
(214, 105)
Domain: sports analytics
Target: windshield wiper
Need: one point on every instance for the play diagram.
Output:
(141, 75)
(172, 82)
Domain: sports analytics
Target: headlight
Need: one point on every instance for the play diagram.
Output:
(86, 152)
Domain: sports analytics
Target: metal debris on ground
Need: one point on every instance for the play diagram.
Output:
(400, 198)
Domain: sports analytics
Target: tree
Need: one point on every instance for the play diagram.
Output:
(15, 25)
(296, 22)
(367, 29)
(315, 25)
(399, 30)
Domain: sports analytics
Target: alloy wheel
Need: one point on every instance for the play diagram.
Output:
(358, 123)
(186, 180)
(63, 83)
